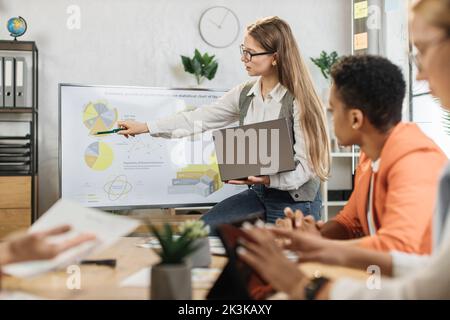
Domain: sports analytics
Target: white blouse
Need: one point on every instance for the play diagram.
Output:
(225, 111)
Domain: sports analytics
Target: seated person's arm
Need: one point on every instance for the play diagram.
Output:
(406, 221)
(335, 230)
(345, 225)
(333, 252)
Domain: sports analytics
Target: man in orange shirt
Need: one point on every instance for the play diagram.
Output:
(396, 181)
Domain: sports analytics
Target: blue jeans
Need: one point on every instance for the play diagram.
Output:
(259, 200)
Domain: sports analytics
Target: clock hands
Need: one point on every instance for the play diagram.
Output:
(218, 26)
(221, 22)
(223, 19)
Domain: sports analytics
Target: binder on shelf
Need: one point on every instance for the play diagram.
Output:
(20, 82)
(9, 82)
(2, 98)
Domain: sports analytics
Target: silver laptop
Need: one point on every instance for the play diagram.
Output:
(258, 149)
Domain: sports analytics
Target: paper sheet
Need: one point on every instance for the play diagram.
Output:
(107, 228)
(140, 279)
(361, 9)
(361, 41)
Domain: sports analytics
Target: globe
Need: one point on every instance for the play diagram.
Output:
(17, 26)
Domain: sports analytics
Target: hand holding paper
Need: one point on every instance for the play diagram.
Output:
(35, 246)
(107, 229)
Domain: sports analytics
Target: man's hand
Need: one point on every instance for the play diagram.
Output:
(132, 128)
(296, 220)
(35, 246)
(265, 180)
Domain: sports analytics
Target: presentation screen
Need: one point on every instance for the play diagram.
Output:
(112, 172)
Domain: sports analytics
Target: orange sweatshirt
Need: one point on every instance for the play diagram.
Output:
(404, 194)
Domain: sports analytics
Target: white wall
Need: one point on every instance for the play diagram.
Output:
(138, 43)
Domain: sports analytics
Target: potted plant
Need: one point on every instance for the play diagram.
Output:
(325, 61)
(201, 66)
(171, 277)
(198, 232)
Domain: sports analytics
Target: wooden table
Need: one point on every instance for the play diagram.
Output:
(101, 282)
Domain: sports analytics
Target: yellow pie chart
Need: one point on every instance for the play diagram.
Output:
(99, 156)
(98, 116)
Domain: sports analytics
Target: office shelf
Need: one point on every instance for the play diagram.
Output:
(10, 114)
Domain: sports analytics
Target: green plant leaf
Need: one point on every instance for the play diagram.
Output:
(162, 241)
(196, 65)
(210, 70)
(201, 66)
(187, 64)
(173, 250)
(207, 59)
(325, 62)
(198, 57)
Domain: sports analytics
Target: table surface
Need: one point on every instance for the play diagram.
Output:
(101, 282)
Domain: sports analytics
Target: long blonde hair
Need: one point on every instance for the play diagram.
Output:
(435, 12)
(275, 35)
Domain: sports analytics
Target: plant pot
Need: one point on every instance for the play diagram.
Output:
(171, 282)
(201, 258)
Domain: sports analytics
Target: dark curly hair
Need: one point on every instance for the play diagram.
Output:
(373, 85)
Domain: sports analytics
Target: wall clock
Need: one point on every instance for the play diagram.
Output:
(219, 26)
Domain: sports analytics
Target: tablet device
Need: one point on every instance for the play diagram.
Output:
(238, 280)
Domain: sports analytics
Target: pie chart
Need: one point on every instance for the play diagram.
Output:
(99, 156)
(98, 116)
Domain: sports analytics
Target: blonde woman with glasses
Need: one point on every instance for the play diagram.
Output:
(283, 88)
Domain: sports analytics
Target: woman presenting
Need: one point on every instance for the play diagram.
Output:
(283, 89)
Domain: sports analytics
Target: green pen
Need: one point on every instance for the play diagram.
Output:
(111, 131)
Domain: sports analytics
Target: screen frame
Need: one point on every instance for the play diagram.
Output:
(119, 208)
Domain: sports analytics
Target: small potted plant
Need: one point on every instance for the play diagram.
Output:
(201, 66)
(171, 277)
(325, 62)
(198, 232)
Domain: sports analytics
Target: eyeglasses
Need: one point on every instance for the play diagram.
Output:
(416, 58)
(249, 55)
